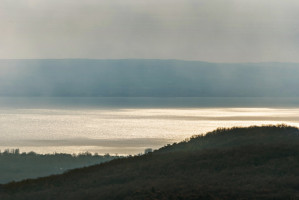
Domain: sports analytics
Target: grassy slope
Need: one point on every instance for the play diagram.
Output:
(237, 163)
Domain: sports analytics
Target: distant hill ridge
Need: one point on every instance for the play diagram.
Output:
(237, 163)
(146, 78)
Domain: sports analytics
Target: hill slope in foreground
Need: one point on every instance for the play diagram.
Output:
(237, 163)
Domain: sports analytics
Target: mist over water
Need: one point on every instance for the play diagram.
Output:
(78, 103)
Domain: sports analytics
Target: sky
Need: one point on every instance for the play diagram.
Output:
(206, 30)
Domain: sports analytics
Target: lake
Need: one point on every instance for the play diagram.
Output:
(128, 125)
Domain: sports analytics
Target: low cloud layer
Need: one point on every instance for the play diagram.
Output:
(209, 30)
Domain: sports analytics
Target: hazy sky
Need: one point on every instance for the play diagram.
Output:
(208, 30)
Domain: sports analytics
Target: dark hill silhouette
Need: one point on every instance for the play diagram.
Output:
(16, 166)
(146, 78)
(237, 163)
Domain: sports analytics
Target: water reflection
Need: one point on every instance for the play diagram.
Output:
(123, 131)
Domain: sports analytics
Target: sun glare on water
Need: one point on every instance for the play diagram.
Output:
(123, 131)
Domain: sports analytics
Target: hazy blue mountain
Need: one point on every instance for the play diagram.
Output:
(148, 78)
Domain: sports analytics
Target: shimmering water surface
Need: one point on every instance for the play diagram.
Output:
(127, 125)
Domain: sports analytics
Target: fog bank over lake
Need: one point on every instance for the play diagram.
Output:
(128, 125)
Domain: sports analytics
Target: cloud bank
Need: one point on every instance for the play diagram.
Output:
(208, 30)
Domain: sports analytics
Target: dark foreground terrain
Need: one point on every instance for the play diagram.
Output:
(237, 163)
(17, 166)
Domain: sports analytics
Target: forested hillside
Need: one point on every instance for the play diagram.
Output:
(237, 163)
(16, 166)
